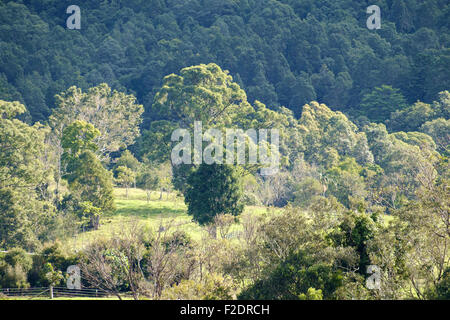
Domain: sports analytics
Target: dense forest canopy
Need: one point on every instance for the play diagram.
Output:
(282, 53)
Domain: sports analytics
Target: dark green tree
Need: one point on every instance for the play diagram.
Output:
(355, 231)
(213, 189)
(381, 102)
(90, 181)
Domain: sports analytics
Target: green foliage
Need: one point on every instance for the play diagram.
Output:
(306, 190)
(328, 136)
(311, 294)
(405, 158)
(125, 176)
(381, 102)
(272, 61)
(155, 144)
(128, 160)
(439, 130)
(345, 182)
(89, 214)
(9, 110)
(54, 256)
(14, 268)
(13, 277)
(213, 287)
(411, 118)
(90, 182)
(20, 145)
(355, 231)
(425, 223)
(18, 257)
(109, 271)
(283, 53)
(52, 276)
(200, 93)
(147, 179)
(23, 180)
(296, 278)
(212, 190)
(443, 287)
(77, 138)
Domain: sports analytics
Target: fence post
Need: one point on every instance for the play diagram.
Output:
(51, 292)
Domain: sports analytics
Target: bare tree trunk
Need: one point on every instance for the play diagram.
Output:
(95, 222)
(212, 230)
(118, 295)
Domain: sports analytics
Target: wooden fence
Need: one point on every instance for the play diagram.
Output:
(57, 292)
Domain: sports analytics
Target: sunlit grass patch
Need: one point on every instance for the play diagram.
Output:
(153, 213)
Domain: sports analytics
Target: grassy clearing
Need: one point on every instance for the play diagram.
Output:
(150, 213)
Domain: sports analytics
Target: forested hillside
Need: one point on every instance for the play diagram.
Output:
(282, 53)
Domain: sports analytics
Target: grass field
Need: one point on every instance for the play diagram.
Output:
(151, 213)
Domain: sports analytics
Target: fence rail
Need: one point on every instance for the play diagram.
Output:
(57, 292)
